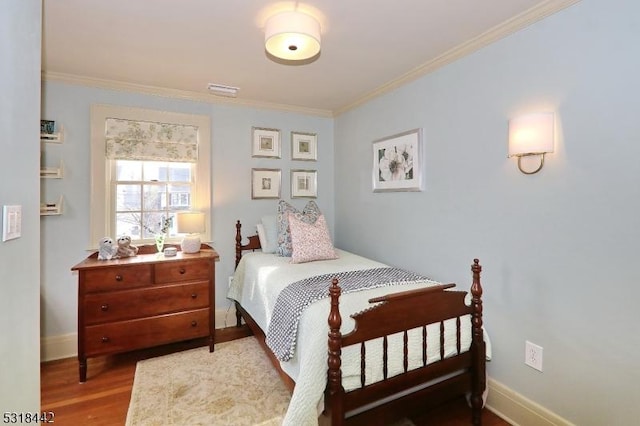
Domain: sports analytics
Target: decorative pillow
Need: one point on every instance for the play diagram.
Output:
(270, 227)
(309, 214)
(310, 241)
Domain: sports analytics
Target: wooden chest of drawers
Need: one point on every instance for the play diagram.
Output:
(142, 301)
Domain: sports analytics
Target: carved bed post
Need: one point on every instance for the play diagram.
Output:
(334, 373)
(238, 256)
(478, 351)
(238, 243)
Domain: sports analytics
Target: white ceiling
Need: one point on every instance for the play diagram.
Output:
(177, 47)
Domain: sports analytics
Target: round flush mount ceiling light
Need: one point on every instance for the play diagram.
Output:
(292, 36)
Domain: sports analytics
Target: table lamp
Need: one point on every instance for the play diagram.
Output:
(191, 224)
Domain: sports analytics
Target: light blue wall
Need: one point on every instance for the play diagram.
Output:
(559, 248)
(19, 184)
(65, 237)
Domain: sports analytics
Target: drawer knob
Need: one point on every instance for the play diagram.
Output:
(194, 323)
(104, 307)
(105, 339)
(118, 277)
(182, 271)
(194, 296)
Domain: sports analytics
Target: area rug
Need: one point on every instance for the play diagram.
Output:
(234, 385)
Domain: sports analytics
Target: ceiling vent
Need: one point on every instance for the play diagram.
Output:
(222, 90)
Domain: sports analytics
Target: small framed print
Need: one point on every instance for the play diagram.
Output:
(304, 184)
(265, 142)
(265, 183)
(397, 162)
(304, 146)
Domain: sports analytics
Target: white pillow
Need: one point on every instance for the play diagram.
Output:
(270, 228)
(261, 236)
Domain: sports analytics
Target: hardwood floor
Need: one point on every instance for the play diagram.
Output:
(104, 398)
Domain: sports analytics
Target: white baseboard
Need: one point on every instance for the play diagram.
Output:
(58, 347)
(518, 410)
(66, 345)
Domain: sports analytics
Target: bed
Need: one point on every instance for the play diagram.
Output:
(367, 356)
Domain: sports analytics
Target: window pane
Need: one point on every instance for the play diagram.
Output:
(128, 197)
(155, 171)
(128, 170)
(153, 223)
(128, 224)
(179, 172)
(179, 197)
(155, 197)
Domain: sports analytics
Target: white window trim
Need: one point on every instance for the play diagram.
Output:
(100, 175)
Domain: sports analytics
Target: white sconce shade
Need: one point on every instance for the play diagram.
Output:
(293, 36)
(529, 135)
(191, 223)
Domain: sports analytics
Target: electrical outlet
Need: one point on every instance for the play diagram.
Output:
(230, 280)
(533, 355)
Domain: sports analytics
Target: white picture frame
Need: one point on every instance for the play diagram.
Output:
(265, 183)
(304, 183)
(397, 162)
(265, 143)
(304, 146)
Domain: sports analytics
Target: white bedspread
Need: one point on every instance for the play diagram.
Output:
(259, 279)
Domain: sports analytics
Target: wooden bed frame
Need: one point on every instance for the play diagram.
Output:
(398, 312)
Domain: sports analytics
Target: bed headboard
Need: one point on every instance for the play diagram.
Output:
(253, 244)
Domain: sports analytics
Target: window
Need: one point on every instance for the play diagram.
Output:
(147, 193)
(146, 166)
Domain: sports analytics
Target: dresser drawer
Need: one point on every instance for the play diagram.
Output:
(116, 278)
(143, 302)
(123, 336)
(167, 272)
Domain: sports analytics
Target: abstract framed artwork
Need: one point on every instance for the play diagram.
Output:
(265, 183)
(304, 184)
(304, 146)
(265, 142)
(397, 162)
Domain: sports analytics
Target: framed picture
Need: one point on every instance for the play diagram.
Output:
(397, 162)
(265, 142)
(304, 146)
(304, 184)
(265, 183)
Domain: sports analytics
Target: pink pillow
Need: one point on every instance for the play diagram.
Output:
(310, 241)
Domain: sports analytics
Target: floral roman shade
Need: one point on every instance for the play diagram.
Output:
(150, 141)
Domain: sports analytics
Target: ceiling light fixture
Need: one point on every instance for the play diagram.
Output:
(292, 36)
(222, 90)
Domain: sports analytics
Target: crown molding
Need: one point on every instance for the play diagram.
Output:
(498, 32)
(492, 35)
(177, 94)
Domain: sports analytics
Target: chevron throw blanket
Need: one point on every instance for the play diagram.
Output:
(291, 302)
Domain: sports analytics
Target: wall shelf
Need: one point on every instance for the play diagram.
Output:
(57, 137)
(52, 172)
(51, 133)
(51, 209)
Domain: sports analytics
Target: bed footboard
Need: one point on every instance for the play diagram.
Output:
(398, 313)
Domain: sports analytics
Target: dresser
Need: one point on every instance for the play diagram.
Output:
(144, 300)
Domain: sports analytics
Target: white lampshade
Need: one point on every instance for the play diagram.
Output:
(192, 224)
(531, 134)
(292, 36)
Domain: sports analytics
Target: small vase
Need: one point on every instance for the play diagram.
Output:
(160, 241)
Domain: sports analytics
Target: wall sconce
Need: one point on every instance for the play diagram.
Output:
(529, 135)
(192, 224)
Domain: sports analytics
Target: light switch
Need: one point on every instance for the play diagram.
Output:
(11, 222)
